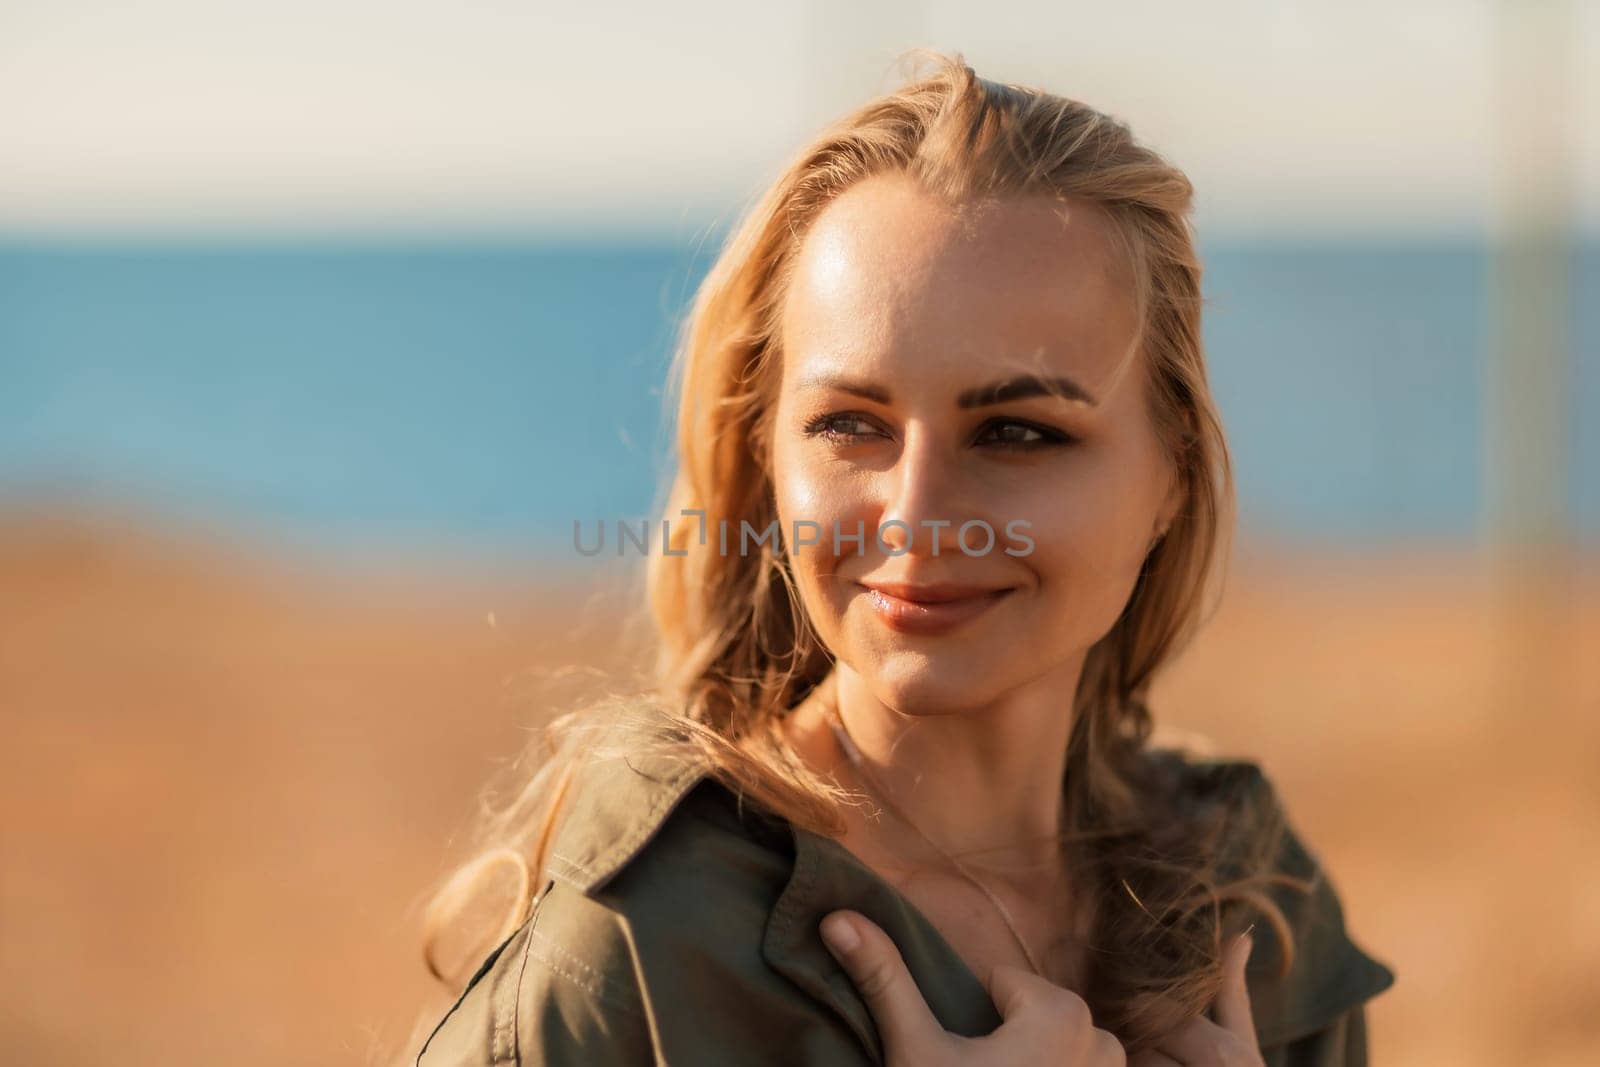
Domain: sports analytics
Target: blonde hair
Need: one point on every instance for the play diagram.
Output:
(736, 650)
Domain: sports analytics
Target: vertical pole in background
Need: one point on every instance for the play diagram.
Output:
(1535, 722)
(1527, 384)
(1527, 381)
(1527, 390)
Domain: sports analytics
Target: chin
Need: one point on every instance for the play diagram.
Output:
(933, 683)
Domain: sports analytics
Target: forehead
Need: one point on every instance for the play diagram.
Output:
(894, 277)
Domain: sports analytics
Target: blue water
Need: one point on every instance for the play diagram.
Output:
(482, 396)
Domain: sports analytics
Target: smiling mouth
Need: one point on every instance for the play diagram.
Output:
(930, 609)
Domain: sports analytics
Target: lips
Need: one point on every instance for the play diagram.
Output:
(931, 608)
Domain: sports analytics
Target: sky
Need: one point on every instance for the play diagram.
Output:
(1348, 117)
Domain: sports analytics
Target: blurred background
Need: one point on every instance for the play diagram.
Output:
(321, 322)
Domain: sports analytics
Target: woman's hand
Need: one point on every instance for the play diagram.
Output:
(1041, 1022)
(1228, 1042)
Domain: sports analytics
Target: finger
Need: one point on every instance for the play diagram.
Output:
(870, 958)
(1036, 1013)
(1197, 1041)
(1233, 1002)
(1107, 1050)
(1016, 990)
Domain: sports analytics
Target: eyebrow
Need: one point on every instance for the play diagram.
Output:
(1019, 388)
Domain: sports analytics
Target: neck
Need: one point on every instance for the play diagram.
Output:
(983, 783)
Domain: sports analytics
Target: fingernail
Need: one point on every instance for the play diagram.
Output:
(839, 934)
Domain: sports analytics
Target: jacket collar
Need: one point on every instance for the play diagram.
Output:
(626, 800)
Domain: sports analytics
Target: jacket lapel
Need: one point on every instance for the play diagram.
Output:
(625, 801)
(826, 877)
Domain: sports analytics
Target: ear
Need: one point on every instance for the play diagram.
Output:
(1171, 503)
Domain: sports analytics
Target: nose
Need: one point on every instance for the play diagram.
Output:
(921, 500)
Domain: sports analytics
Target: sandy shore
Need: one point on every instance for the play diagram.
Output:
(228, 780)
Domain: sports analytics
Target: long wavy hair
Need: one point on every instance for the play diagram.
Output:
(736, 651)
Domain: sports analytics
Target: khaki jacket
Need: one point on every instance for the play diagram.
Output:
(678, 927)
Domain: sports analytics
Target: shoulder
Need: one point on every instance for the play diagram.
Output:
(550, 993)
(657, 842)
(648, 936)
(700, 893)
(1320, 994)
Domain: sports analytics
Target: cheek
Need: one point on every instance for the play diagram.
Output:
(807, 489)
(810, 489)
(1090, 535)
(804, 494)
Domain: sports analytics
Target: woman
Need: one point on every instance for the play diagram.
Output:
(951, 489)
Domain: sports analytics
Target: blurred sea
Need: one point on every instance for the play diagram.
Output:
(480, 396)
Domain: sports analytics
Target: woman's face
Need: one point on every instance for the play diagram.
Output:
(947, 366)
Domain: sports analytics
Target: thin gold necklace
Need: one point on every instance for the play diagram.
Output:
(847, 743)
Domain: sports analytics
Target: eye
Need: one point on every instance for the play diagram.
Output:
(842, 427)
(1019, 436)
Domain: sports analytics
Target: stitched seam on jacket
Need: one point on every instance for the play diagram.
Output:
(482, 974)
(567, 866)
(787, 902)
(504, 1046)
(508, 1002)
(650, 823)
(559, 961)
(647, 825)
